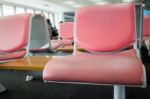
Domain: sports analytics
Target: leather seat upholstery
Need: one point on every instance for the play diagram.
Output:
(103, 31)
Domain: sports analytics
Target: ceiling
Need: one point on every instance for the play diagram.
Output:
(73, 4)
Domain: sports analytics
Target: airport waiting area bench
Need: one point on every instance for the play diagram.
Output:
(19, 34)
(104, 43)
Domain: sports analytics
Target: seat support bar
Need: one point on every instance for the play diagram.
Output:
(29, 78)
(119, 92)
(2, 88)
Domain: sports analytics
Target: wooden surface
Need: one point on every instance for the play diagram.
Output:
(68, 49)
(33, 63)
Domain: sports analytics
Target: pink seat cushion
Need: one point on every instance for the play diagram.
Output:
(54, 45)
(125, 69)
(59, 43)
(146, 30)
(66, 42)
(14, 32)
(39, 49)
(10, 56)
(145, 38)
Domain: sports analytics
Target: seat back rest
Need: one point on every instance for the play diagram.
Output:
(39, 34)
(105, 28)
(66, 30)
(14, 32)
(146, 26)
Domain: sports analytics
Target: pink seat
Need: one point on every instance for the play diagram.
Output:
(59, 43)
(146, 25)
(66, 33)
(111, 28)
(66, 30)
(13, 39)
(11, 56)
(86, 67)
(146, 30)
(55, 44)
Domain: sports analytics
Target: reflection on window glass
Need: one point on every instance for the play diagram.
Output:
(30, 11)
(37, 11)
(8, 10)
(20, 10)
(56, 19)
(45, 14)
(51, 18)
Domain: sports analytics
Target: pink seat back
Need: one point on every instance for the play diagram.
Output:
(146, 26)
(14, 32)
(105, 28)
(66, 30)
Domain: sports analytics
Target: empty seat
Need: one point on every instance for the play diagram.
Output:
(111, 28)
(66, 30)
(66, 36)
(13, 36)
(146, 30)
(39, 36)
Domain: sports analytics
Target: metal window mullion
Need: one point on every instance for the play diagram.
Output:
(2, 10)
(14, 7)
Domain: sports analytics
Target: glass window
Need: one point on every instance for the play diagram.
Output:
(56, 19)
(20, 10)
(46, 14)
(30, 11)
(51, 18)
(8, 10)
(0, 9)
(37, 11)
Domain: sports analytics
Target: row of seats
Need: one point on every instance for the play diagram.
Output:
(111, 29)
(65, 37)
(146, 31)
(22, 34)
